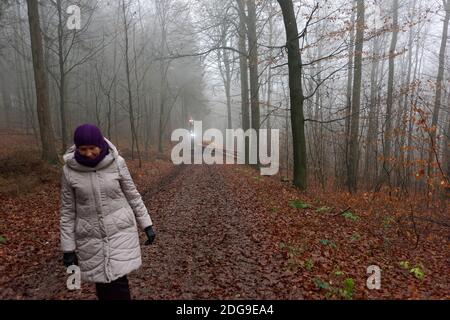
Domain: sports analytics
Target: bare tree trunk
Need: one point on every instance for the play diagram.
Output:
(437, 100)
(226, 61)
(148, 127)
(371, 142)
(7, 103)
(316, 143)
(225, 71)
(243, 66)
(130, 99)
(295, 93)
(348, 106)
(62, 77)
(385, 175)
(446, 151)
(24, 83)
(253, 68)
(398, 118)
(162, 14)
(404, 112)
(116, 129)
(269, 82)
(162, 101)
(49, 153)
(20, 93)
(138, 98)
(413, 101)
(356, 99)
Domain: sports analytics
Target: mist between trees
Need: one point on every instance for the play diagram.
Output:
(359, 91)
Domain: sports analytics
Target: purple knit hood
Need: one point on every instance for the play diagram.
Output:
(89, 134)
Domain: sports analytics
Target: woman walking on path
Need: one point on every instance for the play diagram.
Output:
(100, 212)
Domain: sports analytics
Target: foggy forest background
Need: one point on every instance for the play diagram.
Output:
(373, 101)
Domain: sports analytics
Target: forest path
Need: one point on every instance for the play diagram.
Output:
(226, 232)
(209, 244)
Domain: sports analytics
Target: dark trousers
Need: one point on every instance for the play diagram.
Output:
(115, 290)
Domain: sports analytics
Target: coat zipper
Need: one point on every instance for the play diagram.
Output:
(102, 226)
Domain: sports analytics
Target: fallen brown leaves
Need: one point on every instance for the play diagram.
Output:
(325, 244)
(30, 260)
(224, 232)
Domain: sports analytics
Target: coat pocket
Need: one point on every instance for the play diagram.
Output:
(82, 228)
(122, 218)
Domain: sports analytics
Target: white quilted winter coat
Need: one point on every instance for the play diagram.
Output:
(99, 210)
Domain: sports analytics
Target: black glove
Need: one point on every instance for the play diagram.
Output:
(150, 235)
(70, 258)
